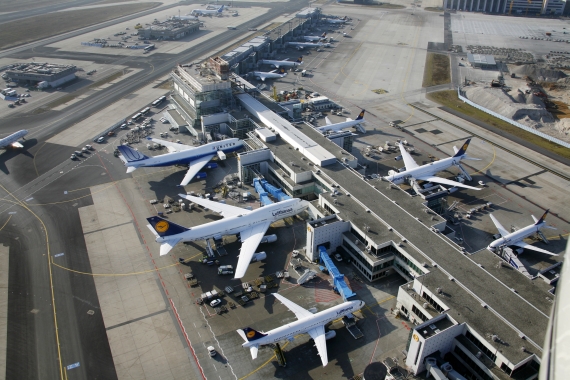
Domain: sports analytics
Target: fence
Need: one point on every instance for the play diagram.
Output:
(512, 122)
(112, 128)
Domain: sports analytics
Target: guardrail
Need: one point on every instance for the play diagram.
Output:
(113, 127)
(512, 122)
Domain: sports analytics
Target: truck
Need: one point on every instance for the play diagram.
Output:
(225, 269)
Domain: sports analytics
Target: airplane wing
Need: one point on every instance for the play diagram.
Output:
(443, 181)
(16, 144)
(221, 208)
(409, 162)
(250, 239)
(499, 226)
(286, 59)
(318, 335)
(327, 120)
(348, 119)
(272, 71)
(171, 146)
(195, 167)
(524, 245)
(298, 310)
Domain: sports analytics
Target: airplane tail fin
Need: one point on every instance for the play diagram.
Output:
(282, 71)
(164, 228)
(542, 218)
(324, 35)
(131, 155)
(249, 334)
(463, 149)
(361, 115)
(300, 59)
(221, 9)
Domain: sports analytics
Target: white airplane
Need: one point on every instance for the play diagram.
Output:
(307, 322)
(263, 75)
(12, 140)
(250, 224)
(302, 45)
(427, 172)
(516, 238)
(180, 154)
(202, 12)
(343, 125)
(284, 63)
(334, 21)
(186, 17)
(315, 38)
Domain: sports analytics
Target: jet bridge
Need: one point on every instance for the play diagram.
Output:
(338, 278)
(274, 191)
(263, 196)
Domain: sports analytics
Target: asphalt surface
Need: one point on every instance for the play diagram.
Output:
(44, 172)
(18, 15)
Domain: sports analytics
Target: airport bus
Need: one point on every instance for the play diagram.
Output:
(149, 48)
(158, 101)
(137, 116)
(145, 111)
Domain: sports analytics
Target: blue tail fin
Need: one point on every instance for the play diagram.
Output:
(300, 59)
(251, 334)
(282, 71)
(542, 218)
(130, 154)
(361, 115)
(463, 149)
(221, 9)
(165, 228)
(324, 34)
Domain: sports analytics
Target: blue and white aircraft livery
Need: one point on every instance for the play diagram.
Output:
(180, 154)
(12, 140)
(315, 38)
(427, 172)
(203, 12)
(251, 225)
(302, 45)
(283, 63)
(516, 238)
(263, 75)
(345, 124)
(307, 322)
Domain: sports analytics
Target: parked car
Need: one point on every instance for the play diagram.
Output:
(101, 140)
(215, 302)
(338, 257)
(211, 351)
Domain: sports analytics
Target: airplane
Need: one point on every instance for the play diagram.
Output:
(307, 322)
(263, 75)
(315, 38)
(516, 238)
(284, 63)
(250, 224)
(12, 140)
(186, 17)
(203, 12)
(345, 124)
(302, 45)
(334, 21)
(427, 172)
(179, 154)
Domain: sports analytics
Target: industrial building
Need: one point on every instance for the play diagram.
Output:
(518, 7)
(40, 73)
(172, 29)
(482, 61)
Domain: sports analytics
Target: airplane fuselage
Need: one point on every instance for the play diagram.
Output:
(429, 169)
(266, 75)
(185, 157)
(14, 137)
(306, 44)
(235, 224)
(279, 64)
(303, 325)
(339, 126)
(516, 236)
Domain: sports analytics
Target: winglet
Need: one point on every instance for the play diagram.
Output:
(542, 218)
(463, 149)
(361, 115)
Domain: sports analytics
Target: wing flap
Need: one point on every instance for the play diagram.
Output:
(221, 208)
(195, 167)
(499, 226)
(409, 162)
(298, 310)
(318, 335)
(250, 239)
(444, 181)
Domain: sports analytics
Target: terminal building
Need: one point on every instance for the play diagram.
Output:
(172, 29)
(517, 7)
(471, 314)
(41, 74)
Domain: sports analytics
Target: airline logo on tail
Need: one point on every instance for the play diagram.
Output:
(165, 228)
(463, 149)
(300, 59)
(162, 226)
(361, 115)
(282, 71)
(252, 334)
(542, 218)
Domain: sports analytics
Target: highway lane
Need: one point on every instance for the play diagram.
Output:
(32, 340)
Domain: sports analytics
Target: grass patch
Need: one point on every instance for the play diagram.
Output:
(38, 27)
(449, 99)
(437, 70)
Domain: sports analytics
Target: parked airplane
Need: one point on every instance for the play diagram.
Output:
(284, 63)
(186, 17)
(250, 224)
(203, 12)
(307, 322)
(263, 75)
(315, 38)
(180, 154)
(516, 238)
(345, 124)
(427, 172)
(302, 45)
(12, 140)
(334, 21)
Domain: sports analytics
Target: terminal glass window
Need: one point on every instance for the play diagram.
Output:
(481, 346)
(474, 367)
(420, 315)
(432, 302)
